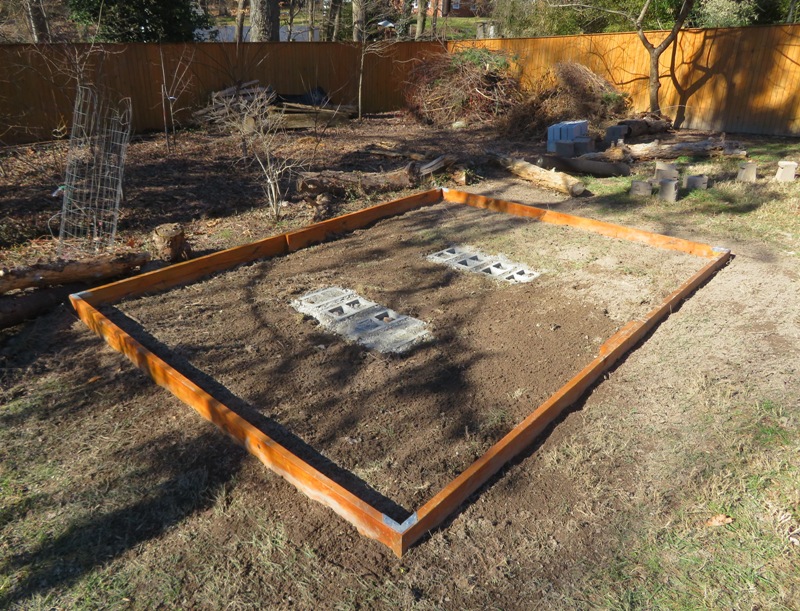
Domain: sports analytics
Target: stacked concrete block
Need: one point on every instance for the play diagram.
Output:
(566, 131)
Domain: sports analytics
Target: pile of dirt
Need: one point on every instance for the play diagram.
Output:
(473, 85)
(570, 91)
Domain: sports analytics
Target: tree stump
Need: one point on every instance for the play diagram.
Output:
(169, 243)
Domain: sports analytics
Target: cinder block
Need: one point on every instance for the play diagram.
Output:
(786, 171)
(747, 172)
(565, 148)
(668, 190)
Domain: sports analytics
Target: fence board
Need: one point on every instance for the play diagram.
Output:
(732, 79)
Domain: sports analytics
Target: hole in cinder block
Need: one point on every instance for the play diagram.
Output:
(367, 325)
(496, 269)
(522, 275)
(385, 317)
(337, 311)
(469, 261)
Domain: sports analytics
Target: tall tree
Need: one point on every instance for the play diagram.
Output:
(239, 35)
(265, 21)
(422, 13)
(141, 20)
(359, 20)
(637, 16)
(37, 18)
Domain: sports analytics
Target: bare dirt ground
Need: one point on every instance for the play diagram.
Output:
(115, 495)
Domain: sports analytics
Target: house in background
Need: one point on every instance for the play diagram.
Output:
(457, 8)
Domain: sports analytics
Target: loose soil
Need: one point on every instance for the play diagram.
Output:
(407, 425)
(113, 494)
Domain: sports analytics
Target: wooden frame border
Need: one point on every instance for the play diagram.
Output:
(368, 520)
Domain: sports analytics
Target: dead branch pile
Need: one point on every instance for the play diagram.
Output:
(474, 85)
(292, 112)
(570, 91)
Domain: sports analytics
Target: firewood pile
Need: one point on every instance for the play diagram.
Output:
(253, 102)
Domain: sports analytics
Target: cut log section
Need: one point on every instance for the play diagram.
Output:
(339, 183)
(547, 179)
(169, 243)
(66, 272)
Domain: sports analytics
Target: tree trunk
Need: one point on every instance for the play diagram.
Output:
(312, 15)
(37, 19)
(422, 13)
(240, 21)
(359, 19)
(361, 78)
(655, 80)
(655, 52)
(405, 20)
(265, 23)
(332, 22)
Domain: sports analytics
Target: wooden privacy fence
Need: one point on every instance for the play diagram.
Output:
(734, 79)
(37, 84)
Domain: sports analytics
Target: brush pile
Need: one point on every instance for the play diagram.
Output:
(473, 85)
(569, 91)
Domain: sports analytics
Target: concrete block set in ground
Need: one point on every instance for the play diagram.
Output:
(468, 259)
(377, 327)
(667, 176)
(360, 320)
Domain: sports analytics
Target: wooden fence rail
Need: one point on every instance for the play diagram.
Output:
(734, 79)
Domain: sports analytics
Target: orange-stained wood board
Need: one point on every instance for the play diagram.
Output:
(368, 520)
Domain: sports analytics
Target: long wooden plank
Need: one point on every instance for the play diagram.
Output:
(454, 494)
(601, 227)
(368, 520)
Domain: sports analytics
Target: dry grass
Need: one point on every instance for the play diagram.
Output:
(114, 496)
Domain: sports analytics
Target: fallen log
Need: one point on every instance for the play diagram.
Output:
(670, 150)
(579, 165)
(374, 149)
(308, 120)
(339, 183)
(67, 272)
(646, 125)
(547, 179)
(15, 309)
(705, 148)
